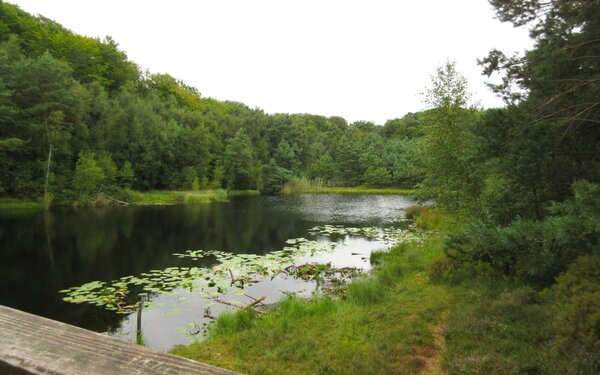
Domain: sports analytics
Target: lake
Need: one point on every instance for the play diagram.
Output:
(42, 253)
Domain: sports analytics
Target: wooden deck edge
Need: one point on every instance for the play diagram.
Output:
(31, 344)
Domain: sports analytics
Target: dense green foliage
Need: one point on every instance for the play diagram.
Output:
(523, 185)
(63, 96)
(537, 249)
(523, 180)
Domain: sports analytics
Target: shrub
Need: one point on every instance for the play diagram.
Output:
(575, 305)
(196, 184)
(377, 176)
(536, 250)
(273, 177)
(87, 178)
(412, 212)
(453, 271)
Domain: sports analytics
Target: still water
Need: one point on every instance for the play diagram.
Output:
(44, 252)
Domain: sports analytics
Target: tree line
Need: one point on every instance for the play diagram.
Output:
(77, 116)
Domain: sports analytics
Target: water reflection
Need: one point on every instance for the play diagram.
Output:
(44, 252)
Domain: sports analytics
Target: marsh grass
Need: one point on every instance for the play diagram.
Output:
(170, 197)
(319, 186)
(363, 190)
(302, 184)
(240, 193)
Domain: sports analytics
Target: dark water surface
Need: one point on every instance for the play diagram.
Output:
(44, 252)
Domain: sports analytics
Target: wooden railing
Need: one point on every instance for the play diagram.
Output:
(30, 344)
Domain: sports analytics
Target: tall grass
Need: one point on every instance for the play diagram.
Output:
(169, 197)
(302, 185)
(366, 291)
(426, 217)
(231, 322)
(320, 186)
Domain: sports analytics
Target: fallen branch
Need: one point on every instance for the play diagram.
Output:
(114, 199)
(250, 305)
(254, 303)
(208, 314)
(216, 299)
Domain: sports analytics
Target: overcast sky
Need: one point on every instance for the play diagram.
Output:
(363, 60)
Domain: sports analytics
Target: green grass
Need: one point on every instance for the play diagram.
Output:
(358, 190)
(384, 325)
(170, 197)
(499, 325)
(238, 193)
(496, 327)
(16, 204)
(138, 198)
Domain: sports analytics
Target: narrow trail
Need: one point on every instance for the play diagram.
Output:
(432, 357)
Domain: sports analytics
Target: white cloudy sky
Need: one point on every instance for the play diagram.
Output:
(363, 60)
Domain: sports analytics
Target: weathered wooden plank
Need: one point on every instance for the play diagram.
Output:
(37, 345)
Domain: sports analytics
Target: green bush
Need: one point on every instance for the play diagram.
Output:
(450, 270)
(273, 177)
(377, 176)
(575, 331)
(88, 177)
(196, 184)
(536, 250)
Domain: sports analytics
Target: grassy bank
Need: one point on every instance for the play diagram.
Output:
(170, 197)
(356, 190)
(318, 186)
(240, 193)
(419, 312)
(387, 323)
(16, 204)
(137, 198)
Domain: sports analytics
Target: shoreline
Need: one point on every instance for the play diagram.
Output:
(136, 198)
(177, 197)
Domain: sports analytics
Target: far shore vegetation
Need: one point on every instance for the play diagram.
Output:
(174, 197)
(136, 198)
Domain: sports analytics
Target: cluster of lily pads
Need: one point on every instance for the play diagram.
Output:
(231, 270)
(388, 235)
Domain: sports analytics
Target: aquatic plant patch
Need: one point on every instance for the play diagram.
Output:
(231, 271)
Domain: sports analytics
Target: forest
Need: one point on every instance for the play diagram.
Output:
(78, 116)
(520, 184)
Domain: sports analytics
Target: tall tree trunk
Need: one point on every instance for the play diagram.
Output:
(48, 171)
